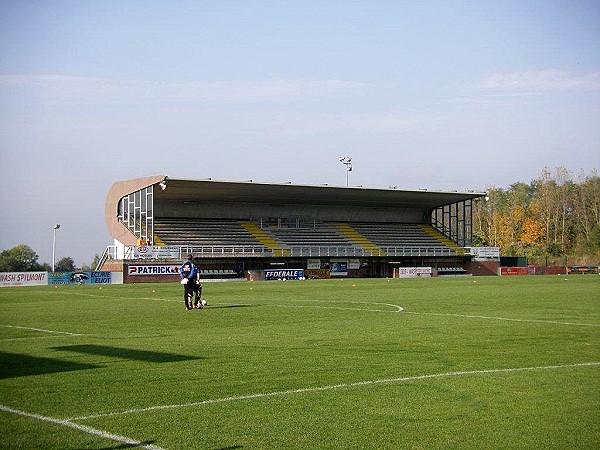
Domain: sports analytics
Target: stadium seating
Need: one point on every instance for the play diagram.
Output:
(323, 238)
(393, 237)
(199, 232)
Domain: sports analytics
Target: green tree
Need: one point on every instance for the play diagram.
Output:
(93, 265)
(95, 261)
(65, 264)
(587, 212)
(19, 259)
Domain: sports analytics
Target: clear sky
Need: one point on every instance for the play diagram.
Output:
(446, 95)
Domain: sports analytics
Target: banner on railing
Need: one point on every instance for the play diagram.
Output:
(484, 253)
(156, 252)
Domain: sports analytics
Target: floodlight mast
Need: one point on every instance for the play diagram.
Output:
(56, 227)
(347, 161)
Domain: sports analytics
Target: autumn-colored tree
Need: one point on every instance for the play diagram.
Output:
(533, 232)
(550, 217)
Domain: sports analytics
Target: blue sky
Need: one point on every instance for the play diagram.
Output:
(448, 95)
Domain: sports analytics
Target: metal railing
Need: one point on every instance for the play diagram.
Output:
(299, 251)
(109, 253)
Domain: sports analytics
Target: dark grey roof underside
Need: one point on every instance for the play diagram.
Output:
(249, 192)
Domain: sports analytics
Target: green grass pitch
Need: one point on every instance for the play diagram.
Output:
(443, 363)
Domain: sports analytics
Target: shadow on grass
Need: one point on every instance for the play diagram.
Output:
(18, 365)
(126, 353)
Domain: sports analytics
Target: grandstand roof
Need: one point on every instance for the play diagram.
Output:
(248, 191)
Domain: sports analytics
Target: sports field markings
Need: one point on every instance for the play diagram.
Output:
(399, 309)
(396, 309)
(84, 428)
(470, 316)
(41, 330)
(331, 388)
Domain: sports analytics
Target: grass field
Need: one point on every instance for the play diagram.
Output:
(486, 363)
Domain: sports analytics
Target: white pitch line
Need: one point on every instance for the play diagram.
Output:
(402, 310)
(84, 428)
(32, 337)
(42, 330)
(397, 310)
(469, 316)
(332, 387)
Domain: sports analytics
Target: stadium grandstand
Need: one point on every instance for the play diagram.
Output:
(233, 228)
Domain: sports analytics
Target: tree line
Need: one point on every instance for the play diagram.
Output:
(553, 220)
(22, 258)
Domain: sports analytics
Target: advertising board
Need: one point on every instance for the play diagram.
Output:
(338, 268)
(284, 274)
(156, 252)
(23, 279)
(414, 272)
(89, 277)
(156, 269)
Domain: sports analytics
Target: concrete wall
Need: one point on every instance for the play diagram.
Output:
(482, 267)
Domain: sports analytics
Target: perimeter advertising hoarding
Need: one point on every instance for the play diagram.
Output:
(338, 268)
(313, 263)
(414, 272)
(90, 277)
(23, 279)
(157, 269)
(284, 274)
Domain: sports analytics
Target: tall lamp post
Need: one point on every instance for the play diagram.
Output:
(347, 161)
(56, 227)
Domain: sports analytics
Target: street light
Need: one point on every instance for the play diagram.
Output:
(347, 161)
(56, 227)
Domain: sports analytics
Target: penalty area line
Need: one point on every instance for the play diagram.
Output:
(334, 387)
(84, 428)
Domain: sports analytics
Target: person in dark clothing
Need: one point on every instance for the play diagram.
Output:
(199, 303)
(192, 287)
(188, 272)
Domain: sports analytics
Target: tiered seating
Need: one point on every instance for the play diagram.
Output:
(202, 232)
(397, 235)
(323, 239)
(322, 235)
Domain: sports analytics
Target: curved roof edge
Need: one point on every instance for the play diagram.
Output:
(116, 192)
